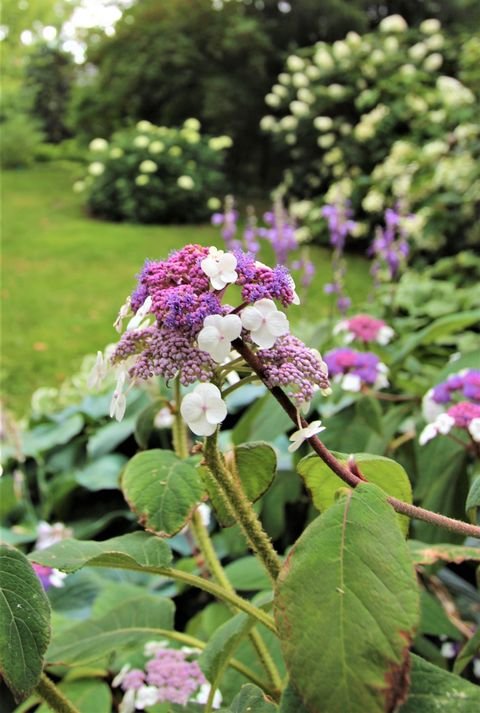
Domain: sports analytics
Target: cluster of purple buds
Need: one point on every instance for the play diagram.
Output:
(389, 248)
(169, 676)
(364, 328)
(460, 392)
(179, 326)
(340, 226)
(354, 370)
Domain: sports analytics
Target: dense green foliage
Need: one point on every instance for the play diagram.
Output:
(155, 174)
(379, 120)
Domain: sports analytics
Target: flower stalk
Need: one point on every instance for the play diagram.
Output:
(53, 697)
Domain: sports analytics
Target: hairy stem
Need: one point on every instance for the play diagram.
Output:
(53, 697)
(244, 513)
(342, 470)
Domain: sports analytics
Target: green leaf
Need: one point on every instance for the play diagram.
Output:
(423, 553)
(133, 622)
(433, 620)
(102, 474)
(86, 695)
(221, 646)
(438, 328)
(370, 411)
(247, 574)
(347, 600)
(251, 699)
(24, 623)
(291, 701)
(264, 420)
(433, 691)
(466, 654)
(387, 474)
(48, 435)
(162, 490)
(138, 551)
(473, 500)
(254, 465)
(108, 437)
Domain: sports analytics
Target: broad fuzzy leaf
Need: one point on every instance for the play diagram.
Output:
(347, 603)
(162, 490)
(471, 649)
(221, 646)
(291, 701)
(387, 474)
(24, 623)
(433, 691)
(139, 550)
(134, 622)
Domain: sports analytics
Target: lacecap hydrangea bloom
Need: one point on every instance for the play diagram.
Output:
(169, 676)
(180, 326)
(365, 329)
(464, 415)
(354, 370)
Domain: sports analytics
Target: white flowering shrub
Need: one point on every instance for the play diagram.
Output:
(390, 117)
(154, 174)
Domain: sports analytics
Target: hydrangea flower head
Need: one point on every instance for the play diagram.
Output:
(48, 576)
(354, 369)
(365, 329)
(179, 327)
(463, 415)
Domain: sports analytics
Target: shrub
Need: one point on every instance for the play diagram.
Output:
(21, 138)
(382, 119)
(154, 174)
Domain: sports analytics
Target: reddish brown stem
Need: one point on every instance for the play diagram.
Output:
(339, 468)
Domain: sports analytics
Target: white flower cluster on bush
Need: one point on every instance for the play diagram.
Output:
(154, 174)
(382, 118)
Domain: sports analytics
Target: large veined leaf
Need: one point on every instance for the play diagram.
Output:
(387, 474)
(24, 623)
(86, 695)
(138, 550)
(423, 553)
(347, 603)
(133, 622)
(254, 466)
(222, 645)
(291, 701)
(433, 690)
(247, 574)
(162, 490)
(48, 435)
(251, 699)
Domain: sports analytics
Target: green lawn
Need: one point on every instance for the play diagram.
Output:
(65, 275)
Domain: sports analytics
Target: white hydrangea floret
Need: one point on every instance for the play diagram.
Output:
(98, 373)
(217, 335)
(298, 437)
(141, 141)
(264, 322)
(393, 23)
(96, 168)
(140, 315)
(98, 145)
(430, 26)
(220, 266)
(203, 409)
(185, 182)
(118, 403)
(474, 429)
(148, 166)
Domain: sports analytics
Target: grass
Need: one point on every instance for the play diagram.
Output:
(65, 276)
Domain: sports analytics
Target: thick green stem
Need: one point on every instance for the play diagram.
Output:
(244, 512)
(180, 442)
(53, 697)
